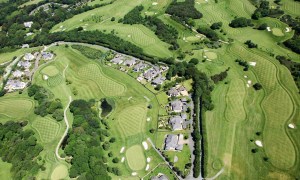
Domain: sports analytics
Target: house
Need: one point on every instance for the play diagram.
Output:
(47, 55)
(29, 34)
(28, 24)
(176, 106)
(24, 64)
(159, 80)
(14, 85)
(150, 74)
(25, 45)
(160, 176)
(17, 74)
(28, 57)
(176, 123)
(117, 60)
(183, 91)
(186, 123)
(130, 62)
(172, 143)
(163, 68)
(173, 92)
(139, 79)
(139, 67)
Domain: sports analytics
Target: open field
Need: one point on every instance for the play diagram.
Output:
(135, 157)
(132, 120)
(47, 128)
(14, 108)
(100, 19)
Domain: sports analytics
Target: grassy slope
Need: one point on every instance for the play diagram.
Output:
(137, 34)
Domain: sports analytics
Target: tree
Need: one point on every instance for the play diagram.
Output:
(152, 130)
(240, 22)
(112, 140)
(263, 26)
(115, 160)
(194, 61)
(257, 86)
(216, 25)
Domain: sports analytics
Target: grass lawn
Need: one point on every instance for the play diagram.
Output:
(135, 157)
(47, 128)
(50, 70)
(5, 170)
(60, 172)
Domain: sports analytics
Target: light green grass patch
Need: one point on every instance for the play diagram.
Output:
(15, 108)
(277, 32)
(108, 86)
(135, 157)
(5, 170)
(210, 55)
(47, 128)
(50, 70)
(132, 120)
(55, 80)
(60, 172)
(192, 38)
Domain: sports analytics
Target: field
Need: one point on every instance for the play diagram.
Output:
(47, 128)
(100, 19)
(135, 157)
(13, 108)
(4, 170)
(60, 172)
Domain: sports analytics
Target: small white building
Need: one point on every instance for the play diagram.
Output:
(17, 74)
(28, 24)
(25, 45)
(28, 57)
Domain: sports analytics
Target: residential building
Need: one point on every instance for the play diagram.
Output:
(28, 57)
(47, 55)
(172, 143)
(173, 92)
(176, 123)
(150, 74)
(17, 74)
(24, 64)
(140, 66)
(12, 85)
(176, 106)
(130, 62)
(25, 45)
(159, 80)
(117, 60)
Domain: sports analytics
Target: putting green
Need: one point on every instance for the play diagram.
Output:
(60, 172)
(211, 55)
(50, 70)
(277, 32)
(15, 108)
(46, 127)
(132, 120)
(135, 158)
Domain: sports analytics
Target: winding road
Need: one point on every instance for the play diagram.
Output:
(66, 131)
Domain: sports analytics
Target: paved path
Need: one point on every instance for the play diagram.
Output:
(66, 131)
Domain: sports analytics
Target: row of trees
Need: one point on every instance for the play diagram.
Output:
(46, 104)
(264, 10)
(20, 148)
(294, 42)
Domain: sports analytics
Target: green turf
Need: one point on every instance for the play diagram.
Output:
(60, 172)
(50, 70)
(135, 157)
(15, 108)
(5, 170)
(47, 128)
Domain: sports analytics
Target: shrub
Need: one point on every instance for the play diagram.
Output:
(257, 86)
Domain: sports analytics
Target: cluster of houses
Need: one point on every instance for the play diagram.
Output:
(149, 72)
(21, 75)
(180, 117)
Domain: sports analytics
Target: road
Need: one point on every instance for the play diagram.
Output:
(66, 131)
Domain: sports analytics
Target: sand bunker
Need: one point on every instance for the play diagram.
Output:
(145, 145)
(123, 159)
(287, 29)
(147, 167)
(45, 77)
(292, 126)
(154, 3)
(258, 143)
(252, 63)
(268, 29)
(133, 173)
(122, 149)
(148, 119)
(148, 159)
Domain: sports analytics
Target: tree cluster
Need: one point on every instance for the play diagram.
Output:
(184, 11)
(243, 63)
(46, 104)
(134, 16)
(257, 86)
(294, 42)
(209, 33)
(216, 25)
(84, 143)
(20, 148)
(240, 22)
(294, 68)
(219, 77)
(264, 10)
(250, 44)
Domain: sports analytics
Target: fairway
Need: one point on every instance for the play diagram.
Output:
(15, 108)
(55, 80)
(135, 157)
(50, 70)
(107, 85)
(60, 172)
(211, 55)
(47, 128)
(132, 120)
(5, 170)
